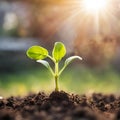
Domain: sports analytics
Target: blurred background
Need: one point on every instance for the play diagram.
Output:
(93, 34)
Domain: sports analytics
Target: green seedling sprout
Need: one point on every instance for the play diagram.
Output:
(39, 53)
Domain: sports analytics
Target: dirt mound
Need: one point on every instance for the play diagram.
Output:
(60, 106)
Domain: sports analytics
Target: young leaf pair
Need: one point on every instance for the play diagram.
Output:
(39, 53)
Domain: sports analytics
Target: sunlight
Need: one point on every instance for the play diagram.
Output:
(94, 6)
(1, 97)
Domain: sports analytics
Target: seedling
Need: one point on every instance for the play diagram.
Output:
(39, 53)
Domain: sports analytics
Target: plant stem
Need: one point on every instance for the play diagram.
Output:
(56, 76)
(56, 83)
(51, 58)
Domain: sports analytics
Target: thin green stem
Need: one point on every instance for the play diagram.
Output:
(50, 69)
(56, 83)
(51, 58)
(56, 76)
(62, 69)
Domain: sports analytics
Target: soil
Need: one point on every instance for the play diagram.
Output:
(60, 106)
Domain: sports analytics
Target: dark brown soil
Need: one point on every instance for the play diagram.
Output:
(60, 106)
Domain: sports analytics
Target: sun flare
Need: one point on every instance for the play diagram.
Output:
(94, 6)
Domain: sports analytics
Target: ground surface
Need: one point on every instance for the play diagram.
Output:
(60, 106)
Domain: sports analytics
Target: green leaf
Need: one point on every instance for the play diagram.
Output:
(37, 52)
(70, 59)
(46, 64)
(59, 51)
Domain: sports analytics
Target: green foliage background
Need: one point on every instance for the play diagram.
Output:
(76, 78)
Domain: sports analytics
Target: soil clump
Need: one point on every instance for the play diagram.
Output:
(61, 106)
